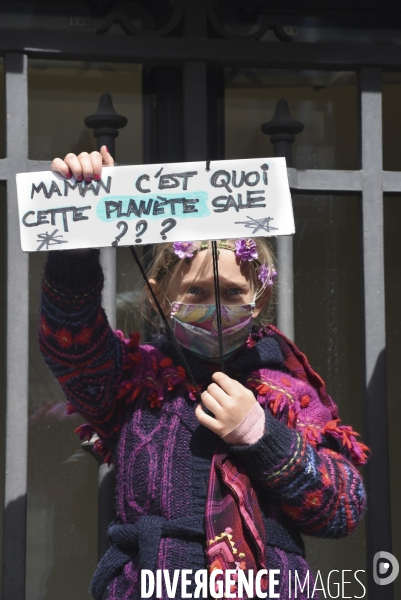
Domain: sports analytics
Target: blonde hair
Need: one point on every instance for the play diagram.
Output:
(165, 264)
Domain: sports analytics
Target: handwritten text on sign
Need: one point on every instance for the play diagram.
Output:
(149, 204)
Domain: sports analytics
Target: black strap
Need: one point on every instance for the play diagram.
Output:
(218, 304)
(166, 323)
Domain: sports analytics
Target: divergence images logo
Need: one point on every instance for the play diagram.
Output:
(385, 568)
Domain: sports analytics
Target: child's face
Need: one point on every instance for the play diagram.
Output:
(194, 282)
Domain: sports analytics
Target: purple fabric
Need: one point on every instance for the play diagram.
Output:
(138, 401)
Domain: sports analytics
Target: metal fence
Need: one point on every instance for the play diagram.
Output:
(196, 57)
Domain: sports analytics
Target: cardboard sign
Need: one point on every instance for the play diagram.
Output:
(149, 204)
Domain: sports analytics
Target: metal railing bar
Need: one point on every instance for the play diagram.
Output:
(106, 481)
(9, 167)
(172, 50)
(325, 180)
(391, 181)
(378, 521)
(16, 436)
(309, 180)
(108, 260)
(285, 289)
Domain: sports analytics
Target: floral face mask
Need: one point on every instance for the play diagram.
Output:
(195, 327)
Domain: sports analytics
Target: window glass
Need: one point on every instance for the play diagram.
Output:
(324, 102)
(326, 242)
(2, 112)
(3, 308)
(327, 287)
(62, 478)
(391, 121)
(327, 328)
(392, 247)
(63, 93)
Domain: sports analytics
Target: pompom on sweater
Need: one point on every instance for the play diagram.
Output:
(138, 400)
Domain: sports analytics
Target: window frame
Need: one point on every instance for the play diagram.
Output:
(370, 182)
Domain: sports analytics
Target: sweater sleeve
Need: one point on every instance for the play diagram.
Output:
(80, 348)
(318, 488)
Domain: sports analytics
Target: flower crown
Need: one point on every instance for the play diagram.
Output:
(245, 250)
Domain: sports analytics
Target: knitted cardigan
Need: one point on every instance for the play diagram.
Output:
(138, 400)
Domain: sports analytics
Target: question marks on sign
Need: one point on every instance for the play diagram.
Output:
(124, 231)
(141, 227)
(168, 225)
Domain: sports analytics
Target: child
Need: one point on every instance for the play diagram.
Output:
(233, 483)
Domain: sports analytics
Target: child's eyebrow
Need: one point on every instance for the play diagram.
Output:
(207, 282)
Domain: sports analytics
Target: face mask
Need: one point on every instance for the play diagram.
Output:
(195, 327)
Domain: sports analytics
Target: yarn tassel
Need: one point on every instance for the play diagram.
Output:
(84, 431)
(292, 417)
(346, 434)
(100, 448)
(70, 410)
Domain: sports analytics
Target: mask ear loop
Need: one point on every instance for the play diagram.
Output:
(218, 304)
(166, 323)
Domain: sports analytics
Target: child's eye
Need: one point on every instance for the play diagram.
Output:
(233, 292)
(194, 290)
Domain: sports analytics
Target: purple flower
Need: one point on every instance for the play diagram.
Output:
(263, 273)
(266, 276)
(246, 249)
(184, 249)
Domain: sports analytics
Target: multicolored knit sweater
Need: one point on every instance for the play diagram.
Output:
(138, 400)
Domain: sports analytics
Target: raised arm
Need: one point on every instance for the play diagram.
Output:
(80, 348)
(75, 338)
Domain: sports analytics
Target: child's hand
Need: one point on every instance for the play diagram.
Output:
(84, 166)
(228, 400)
